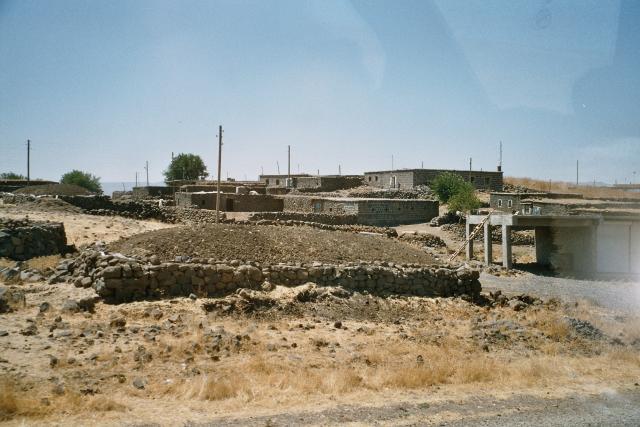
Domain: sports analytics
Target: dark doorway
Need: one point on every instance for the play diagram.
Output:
(229, 207)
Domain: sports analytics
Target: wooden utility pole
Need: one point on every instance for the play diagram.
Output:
(146, 168)
(288, 161)
(577, 172)
(28, 161)
(136, 179)
(219, 171)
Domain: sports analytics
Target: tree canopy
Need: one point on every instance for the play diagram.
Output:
(186, 166)
(11, 175)
(82, 179)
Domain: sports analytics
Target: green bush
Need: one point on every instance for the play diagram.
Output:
(11, 175)
(186, 166)
(447, 185)
(82, 179)
(453, 189)
(464, 201)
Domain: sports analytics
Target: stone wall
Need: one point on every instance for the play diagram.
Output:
(396, 211)
(306, 217)
(103, 205)
(230, 202)
(328, 183)
(153, 192)
(119, 279)
(24, 239)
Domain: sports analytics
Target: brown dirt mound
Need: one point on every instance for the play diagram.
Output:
(269, 244)
(55, 190)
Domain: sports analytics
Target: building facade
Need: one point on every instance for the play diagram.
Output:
(410, 178)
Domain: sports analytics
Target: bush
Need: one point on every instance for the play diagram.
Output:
(465, 200)
(82, 179)
(454, 190)
(12, 175)
(447, 185)
(186, 166)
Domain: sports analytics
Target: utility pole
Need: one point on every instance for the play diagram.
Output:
(136, 179)
(28, 161)
(278, 166)
(288, 161)
(577, 172)
(500, 158)
(339, 169)
(219, 171)
(392, 163)
(146, 168)
(261, 170)
(422, 164)
(470, 167)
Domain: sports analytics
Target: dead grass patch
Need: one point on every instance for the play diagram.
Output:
(564, 187)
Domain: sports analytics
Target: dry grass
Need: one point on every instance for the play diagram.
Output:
(44, 262)
(564, 187)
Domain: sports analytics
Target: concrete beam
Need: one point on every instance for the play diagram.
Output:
(488, 245)
(507, 259)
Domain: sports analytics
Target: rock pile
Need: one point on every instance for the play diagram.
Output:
(119, 278)
(423, 239)
(24, 239)
(386, 231)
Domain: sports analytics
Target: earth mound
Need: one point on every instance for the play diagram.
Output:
(268, 244)
(55, 190)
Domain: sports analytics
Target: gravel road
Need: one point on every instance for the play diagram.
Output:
(605, 409)
(615, 295)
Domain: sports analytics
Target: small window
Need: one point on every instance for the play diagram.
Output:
(267, 181)
(330, 209)
(509, 203)
(376, 177)
(202, 202)
(473, 179)
(487, 180)
(277, 182)
(499, 203)
(369, 179)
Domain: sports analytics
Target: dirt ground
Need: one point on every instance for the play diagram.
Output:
(268, 243)
(312, 356)
(84, 229)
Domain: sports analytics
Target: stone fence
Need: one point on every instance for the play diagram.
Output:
(118, 279)
(321, 218)
(24, 239)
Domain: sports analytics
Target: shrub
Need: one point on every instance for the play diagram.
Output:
(82, 179)
(465, 200)
(12, 175)
(447, 185)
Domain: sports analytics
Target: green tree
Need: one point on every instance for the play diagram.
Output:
(82, 179)
(186, 166)
(447, 185)
(11, 175)
(464, 200)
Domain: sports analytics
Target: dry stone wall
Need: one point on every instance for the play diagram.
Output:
(117, 278)
(24, 239)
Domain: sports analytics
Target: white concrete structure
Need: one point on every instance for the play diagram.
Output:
(594, 244)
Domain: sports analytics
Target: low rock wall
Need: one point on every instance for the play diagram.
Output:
(307, 217)
(24, 239)
(118, 279)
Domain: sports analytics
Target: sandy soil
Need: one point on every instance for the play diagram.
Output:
(84, 229)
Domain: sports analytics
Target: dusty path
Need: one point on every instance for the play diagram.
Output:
(611, 294)
(612, 409)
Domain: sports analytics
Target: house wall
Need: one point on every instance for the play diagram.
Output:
(230, 202)
(482, 180)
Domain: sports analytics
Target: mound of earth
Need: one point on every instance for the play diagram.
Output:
(48, 204)
(55, 190)
(268, 244)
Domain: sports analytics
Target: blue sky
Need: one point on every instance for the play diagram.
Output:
(106, 85)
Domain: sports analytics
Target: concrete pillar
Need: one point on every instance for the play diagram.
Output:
(544, 245)
(488, 245)
(507, 259)
(469, 228)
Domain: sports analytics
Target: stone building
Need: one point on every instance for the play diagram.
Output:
(229, 202)
(281, 181)
(410, 178)
(327, 182)
(153, 192)
(381, 212)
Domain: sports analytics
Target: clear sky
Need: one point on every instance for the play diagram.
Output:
(104, 86)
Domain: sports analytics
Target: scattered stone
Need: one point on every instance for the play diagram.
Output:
(139, 383)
